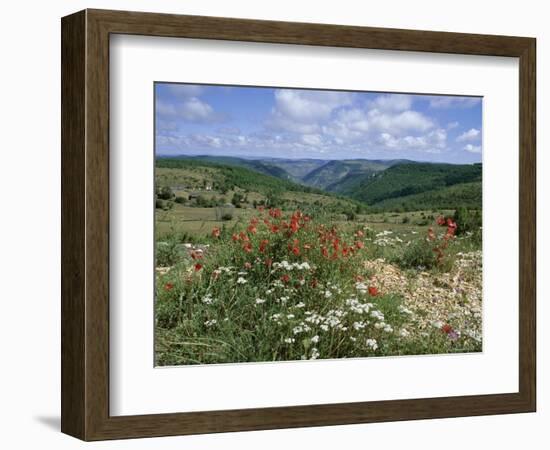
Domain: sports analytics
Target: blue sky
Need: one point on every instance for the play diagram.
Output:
(302, 123)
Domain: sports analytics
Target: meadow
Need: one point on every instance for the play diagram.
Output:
(252, 267)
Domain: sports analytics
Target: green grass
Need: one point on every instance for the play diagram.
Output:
(236, 307)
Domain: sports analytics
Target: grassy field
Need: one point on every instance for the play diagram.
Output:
(253, 268)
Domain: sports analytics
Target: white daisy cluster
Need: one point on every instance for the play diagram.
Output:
(210, 323)
(290, 266)
(241, 280)
(372, 344)
(357, 307)
(207, 299)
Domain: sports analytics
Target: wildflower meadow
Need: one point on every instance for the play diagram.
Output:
(285, 286)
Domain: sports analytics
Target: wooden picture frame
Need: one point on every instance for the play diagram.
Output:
(85, 224)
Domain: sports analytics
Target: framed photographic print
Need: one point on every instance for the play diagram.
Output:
(271, 224)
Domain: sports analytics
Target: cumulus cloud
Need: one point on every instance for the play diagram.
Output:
(432, 142)
(473, 134)
(452, 125)
(302, 111)
(392, 102)
(191, 109)
(473, 148)
(445, 102)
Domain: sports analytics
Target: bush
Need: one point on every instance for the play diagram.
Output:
(406, 219)
(227, 216)
(159, 204)
(467, 221)
(181, 200)
(165, 193)
(419, 254)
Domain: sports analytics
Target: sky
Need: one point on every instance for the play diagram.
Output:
(259, 122)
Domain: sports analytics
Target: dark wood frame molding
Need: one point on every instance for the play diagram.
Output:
(85, 224)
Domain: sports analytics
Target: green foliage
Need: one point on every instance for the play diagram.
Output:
(165, 193)
(467, 221)
(406, 179)
(419, 254)
(227, 216)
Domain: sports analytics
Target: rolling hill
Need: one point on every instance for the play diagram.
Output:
(408, 179)
(380, 184)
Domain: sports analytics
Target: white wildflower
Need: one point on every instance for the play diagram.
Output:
(211, 323)
(259, 301)
(372, 344)
(241, 280)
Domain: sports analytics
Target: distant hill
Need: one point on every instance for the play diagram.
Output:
(407, 179)
(380, 184)
(335, 175)
(467, 195)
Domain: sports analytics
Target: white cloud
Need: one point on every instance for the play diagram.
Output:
(392, 102)
(432, 142)
(473, 148)
(473, 134)
(452, 125)
(399, 123)
(190, 109)
(302, 111)
(312, 139)
(445, 102)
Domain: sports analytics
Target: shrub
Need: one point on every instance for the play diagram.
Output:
(165, 193)
(159, 204)
(419, 254)
(181, 200)
(227, 216)
(406, 219)
(467, 221)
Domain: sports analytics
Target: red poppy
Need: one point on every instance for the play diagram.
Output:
(285, 278)
(216, 232)
(359, 244)
(324, 251)
(235, 237)
(441, 220)
(359, 233)
(373, 291)
(243, 236)
(359, 278)
(294, 226)
(296, 250)
(274, 229)
(263, 245)
(168, 286)
(252, 229)
(275, 213)
(198, 267)
(247, 265)
(247, 247)
(446, 328)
